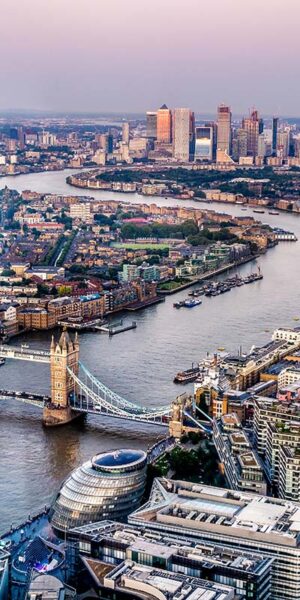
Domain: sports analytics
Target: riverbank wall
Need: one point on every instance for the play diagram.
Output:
(209, 275)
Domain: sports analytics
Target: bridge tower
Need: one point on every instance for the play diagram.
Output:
(176, 428)
(177, 425)
(63, 354)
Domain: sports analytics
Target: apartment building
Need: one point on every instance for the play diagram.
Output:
(242, 466)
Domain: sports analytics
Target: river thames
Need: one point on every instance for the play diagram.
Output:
(139, 364)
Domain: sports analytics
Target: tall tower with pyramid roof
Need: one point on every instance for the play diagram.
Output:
(164, 125)
(63, 354)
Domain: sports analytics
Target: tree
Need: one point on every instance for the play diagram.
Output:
(194, 436)
(78, 269)
(200, 194)
(153, 260)
(14, 225)
(64, 290)
(42, 290)
(189, 228)
(184, 462)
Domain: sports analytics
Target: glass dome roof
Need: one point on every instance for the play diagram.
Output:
(118, 458)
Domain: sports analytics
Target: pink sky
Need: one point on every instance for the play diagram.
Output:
(136, 54)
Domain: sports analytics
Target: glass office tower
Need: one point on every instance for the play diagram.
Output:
(203, 143)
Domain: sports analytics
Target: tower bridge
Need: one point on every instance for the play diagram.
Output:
(75, 391)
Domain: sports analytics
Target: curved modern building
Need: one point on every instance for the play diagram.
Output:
(109, 486)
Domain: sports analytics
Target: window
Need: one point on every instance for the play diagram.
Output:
(85, 547)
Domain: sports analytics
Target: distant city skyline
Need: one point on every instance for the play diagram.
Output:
(132, 57)
(123, 115)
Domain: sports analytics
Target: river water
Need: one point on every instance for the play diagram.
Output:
(139, 364)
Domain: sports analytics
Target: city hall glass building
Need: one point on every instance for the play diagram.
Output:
(109, 486)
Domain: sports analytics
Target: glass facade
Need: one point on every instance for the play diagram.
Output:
(109, 486)
(203, 143)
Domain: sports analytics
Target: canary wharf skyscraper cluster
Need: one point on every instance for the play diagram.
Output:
(175, 134)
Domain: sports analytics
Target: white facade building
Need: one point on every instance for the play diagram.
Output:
(181, 134)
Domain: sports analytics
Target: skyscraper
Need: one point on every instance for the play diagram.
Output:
(151, 125)
(239, 144)
(283, 143)
(21, 138)
(264, 147)
(224, 129)
(296, 142)
(125, 133)
(183, 134)
(261, 126)
(105, 141)
(203, 143)
(164, 125)
(252, 125)
(274, 133)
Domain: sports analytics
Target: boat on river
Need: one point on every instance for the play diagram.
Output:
(178, 304)
(196, 293)
(187, 376)
(191, 302)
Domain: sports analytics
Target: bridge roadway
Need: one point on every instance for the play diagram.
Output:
(26, 397)
(22, 353)
(81, 405)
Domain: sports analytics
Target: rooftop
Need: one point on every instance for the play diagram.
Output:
(186, 507)
(287, 428)
(47, 587)
(289, 407)
(166, 546)
(158, 583)
(238, 438)
(230, 419)
(249, 459)
(277, 367)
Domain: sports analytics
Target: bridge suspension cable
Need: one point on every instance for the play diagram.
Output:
(117, 400)
(112, 404)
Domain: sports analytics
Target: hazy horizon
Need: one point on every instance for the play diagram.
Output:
(132, 115)
(66, 56)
